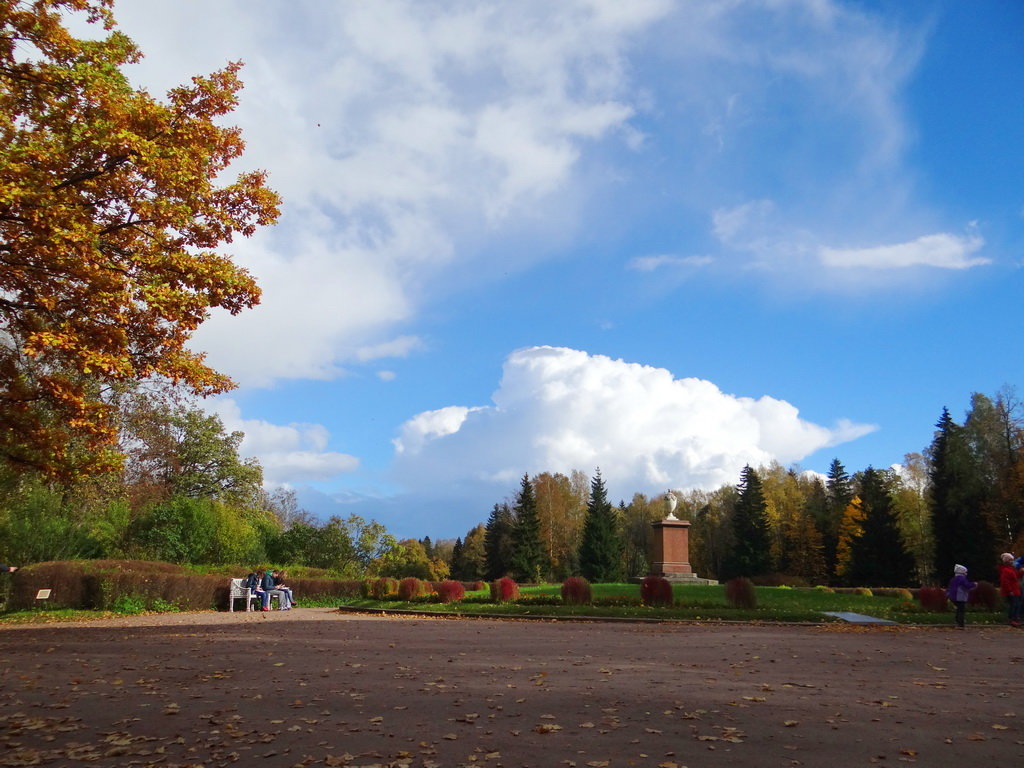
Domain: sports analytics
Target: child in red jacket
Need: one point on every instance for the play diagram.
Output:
(1009, 587)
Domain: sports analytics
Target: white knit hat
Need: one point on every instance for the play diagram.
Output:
(1006, 557)
(960, 569)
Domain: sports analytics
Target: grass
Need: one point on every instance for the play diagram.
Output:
(693, 603)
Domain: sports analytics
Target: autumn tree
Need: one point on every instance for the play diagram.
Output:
(472, 560)
(560, 510)
(850, 529)
(910, 502)
(112, 208)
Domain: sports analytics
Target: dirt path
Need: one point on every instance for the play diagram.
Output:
(315, 687)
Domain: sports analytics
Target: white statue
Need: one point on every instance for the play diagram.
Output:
(670, 505)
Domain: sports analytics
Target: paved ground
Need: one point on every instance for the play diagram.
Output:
(315, 687)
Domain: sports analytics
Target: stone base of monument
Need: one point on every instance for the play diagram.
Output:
(677, 578)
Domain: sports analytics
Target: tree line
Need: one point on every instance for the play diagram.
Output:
(960, 501)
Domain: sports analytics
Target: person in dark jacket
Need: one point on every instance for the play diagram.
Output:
(958, 591)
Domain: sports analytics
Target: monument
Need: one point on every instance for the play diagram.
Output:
(670, 546)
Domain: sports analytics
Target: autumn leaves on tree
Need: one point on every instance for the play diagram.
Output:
(111, 212)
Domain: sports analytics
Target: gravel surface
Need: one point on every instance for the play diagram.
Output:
(323, 688)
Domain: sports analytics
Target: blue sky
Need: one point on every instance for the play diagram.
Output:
(663, 238)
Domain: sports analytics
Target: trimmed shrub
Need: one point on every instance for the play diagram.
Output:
(576, 591)
(450, 591)
(411, 588)
(504, 590)
(656, 590)
(474, 586)
(985, 594)
(932, 599)
(384, 588)
(898, 592)
(863, 592)
(779, 580)
(740, 593)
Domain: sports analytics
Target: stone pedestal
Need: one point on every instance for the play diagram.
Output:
(670, 551)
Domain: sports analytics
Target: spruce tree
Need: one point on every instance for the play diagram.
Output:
(878, 558)
(527, 551)
(957, 497)
(839, 492)
(601, 544)
(498, 542)
(751, 554)
(457, 566)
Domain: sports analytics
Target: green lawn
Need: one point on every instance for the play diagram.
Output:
(694, 603)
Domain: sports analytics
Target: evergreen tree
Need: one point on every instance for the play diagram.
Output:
(957, 498)
(601, 546)
(878, 557)
(457, 566)
(498, 542)
(839, 494)
(527, 550)
(751, 555)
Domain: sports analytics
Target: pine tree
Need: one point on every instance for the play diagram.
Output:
(601, 546)
(878, 558)
(527, 550)
(498, 542)
(751, 554)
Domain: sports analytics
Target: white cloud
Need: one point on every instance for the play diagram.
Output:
(397, 132)
(560, 409)
(942, 251)
(288, 453)
(651, 263)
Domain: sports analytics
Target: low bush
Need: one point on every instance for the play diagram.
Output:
(384, 588)
(474, 586)
(740, 593)
(504, 590)
(780, 580)
(863, 592)
(450, 591)
(933, 599)
(576, 591)
(411, 588)
(984, 594)
(656, 590)
(898, 592)
(529, 600)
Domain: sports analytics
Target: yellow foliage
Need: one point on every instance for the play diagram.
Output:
(110, 210)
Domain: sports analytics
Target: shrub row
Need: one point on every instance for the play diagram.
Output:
(102, 584)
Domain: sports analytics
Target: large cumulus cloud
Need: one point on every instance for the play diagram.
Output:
(559, 409)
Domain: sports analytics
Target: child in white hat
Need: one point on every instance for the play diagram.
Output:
(958, 591)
